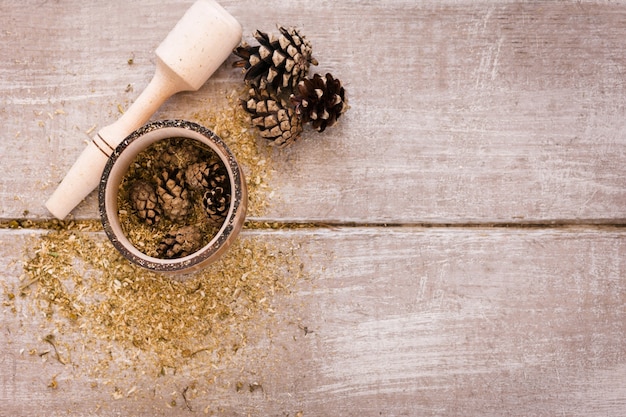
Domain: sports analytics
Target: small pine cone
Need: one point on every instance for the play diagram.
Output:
(144, 201)
(179, 154)
(320, 100)
(276, 120)
(216, 203)
(279, 63)
(205, 175)
(173, 195)
(180, 243)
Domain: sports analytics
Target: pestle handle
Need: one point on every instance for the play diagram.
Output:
(192, 51)
(84, 176)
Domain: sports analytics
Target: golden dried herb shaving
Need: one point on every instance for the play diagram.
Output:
(232, 124)
(83, 280)
(100, 306)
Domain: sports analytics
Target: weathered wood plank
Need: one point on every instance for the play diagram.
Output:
(399, 321)
(460, 111)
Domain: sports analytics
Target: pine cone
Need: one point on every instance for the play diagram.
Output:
(180, 243)
(320, 100)
(276, 120)
(173, 195)
(279, 63)
(216, 203)
(205, 175)
(144, 201)
(178, 153)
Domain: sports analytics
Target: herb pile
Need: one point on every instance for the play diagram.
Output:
(108, 320)
(169, 191)
(83, 284)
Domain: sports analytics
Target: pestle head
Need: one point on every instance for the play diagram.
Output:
(199, 43)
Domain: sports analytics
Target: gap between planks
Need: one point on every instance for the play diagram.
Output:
(268, 224)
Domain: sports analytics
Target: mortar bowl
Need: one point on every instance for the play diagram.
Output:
(118, 166)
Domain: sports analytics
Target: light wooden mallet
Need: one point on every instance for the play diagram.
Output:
(199, 43)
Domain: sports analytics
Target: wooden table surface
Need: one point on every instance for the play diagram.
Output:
(465, 249)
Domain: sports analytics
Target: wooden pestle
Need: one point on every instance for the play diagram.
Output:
(199, 43)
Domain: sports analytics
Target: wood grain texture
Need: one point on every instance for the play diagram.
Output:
(463, 114)
(398, 322)
(460, 111)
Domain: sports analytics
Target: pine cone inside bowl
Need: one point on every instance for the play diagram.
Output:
(172, 194)
(180, 242)
(144, 201)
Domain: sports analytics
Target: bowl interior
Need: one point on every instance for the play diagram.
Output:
(116, 169)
